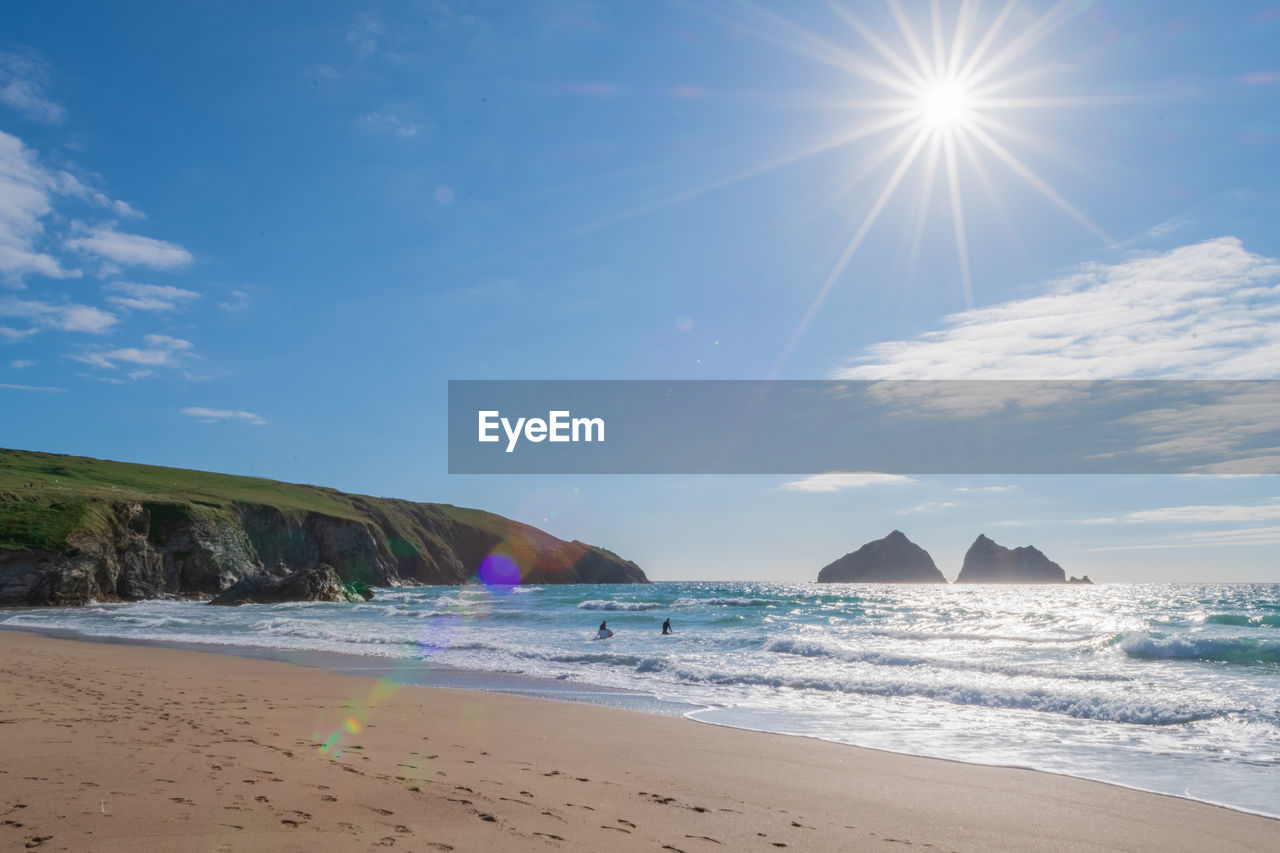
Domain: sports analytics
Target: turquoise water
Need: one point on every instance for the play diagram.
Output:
(1170, 688)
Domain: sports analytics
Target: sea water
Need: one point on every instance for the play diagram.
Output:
(1171, 688)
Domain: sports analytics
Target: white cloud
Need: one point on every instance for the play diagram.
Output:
(1235, 418)
(69, 184)
(836, 480)
(21, 363)
(1249, 536)
(47, 389)
(160, 351)
(166, 342)
(131, 249)
(12, 335)
(67, 317)
(363, 37)
(985, 488)
(929, 506)
(150, 297)
(24, 81)
(1197, 514)
(209, 416)
(388, 122)
(238, 302)
(1205, 311)
(25, 191)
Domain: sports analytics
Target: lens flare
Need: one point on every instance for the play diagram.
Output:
(499, 570)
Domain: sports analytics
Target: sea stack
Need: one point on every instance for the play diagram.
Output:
(989, 562)
(893, 559)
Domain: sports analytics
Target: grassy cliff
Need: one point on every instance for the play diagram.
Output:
(188, 531)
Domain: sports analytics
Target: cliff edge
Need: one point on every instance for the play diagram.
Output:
(74, 530)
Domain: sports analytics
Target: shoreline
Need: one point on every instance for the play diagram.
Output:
(430, 675)
(670, 780)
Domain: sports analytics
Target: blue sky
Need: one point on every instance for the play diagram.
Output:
(260, 238)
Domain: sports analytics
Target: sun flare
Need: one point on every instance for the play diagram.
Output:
(945, 104)
(943, 94)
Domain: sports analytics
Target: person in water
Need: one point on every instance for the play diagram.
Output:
(603, 626)
(604, 633)
(666, 626)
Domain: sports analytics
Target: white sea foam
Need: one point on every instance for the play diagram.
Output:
(626, 606)
(1161, 686)
(1237, 650)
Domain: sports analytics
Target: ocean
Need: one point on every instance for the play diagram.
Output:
(1173, 688)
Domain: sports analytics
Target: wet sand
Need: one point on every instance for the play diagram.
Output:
(110, 747)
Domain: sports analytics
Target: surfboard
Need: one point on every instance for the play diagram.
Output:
(604, 635)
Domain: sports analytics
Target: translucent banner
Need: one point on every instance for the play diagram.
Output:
(894, 427)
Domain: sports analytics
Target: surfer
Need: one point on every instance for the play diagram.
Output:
(604, 633)
(666, 626)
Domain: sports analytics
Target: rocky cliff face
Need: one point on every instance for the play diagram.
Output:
(893, 559)
(132, 550)
(988, 562)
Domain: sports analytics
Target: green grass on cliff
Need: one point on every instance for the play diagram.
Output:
(46, 497)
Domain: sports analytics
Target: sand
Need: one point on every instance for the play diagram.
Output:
(107, 747)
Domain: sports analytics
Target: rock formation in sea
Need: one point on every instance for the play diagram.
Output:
(317, 584)
(989, 562)
(893, 559)
(74, 530)
(1084, 580)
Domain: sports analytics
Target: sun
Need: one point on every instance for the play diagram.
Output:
(934, 102)
(945, 104)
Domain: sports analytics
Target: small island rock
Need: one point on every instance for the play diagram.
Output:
(988, 562)
(893, 559)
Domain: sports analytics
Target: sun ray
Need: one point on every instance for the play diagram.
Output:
(987, 40)
(958, 38)
(974, 162)
(878, 43)
(957, 219)
(874, 160)
(815, 47)
(939, 52)
(1044, 102)
(1039, 30)
(1045, 145)
(1036, 181)
(862, 132)
(922, 204)
(909, 34)
(850, 248)
(1012, 81)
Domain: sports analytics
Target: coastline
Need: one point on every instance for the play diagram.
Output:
(108, 751)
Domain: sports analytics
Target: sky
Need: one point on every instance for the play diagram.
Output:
(261, 238)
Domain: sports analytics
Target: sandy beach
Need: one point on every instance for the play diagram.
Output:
(108, 747)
